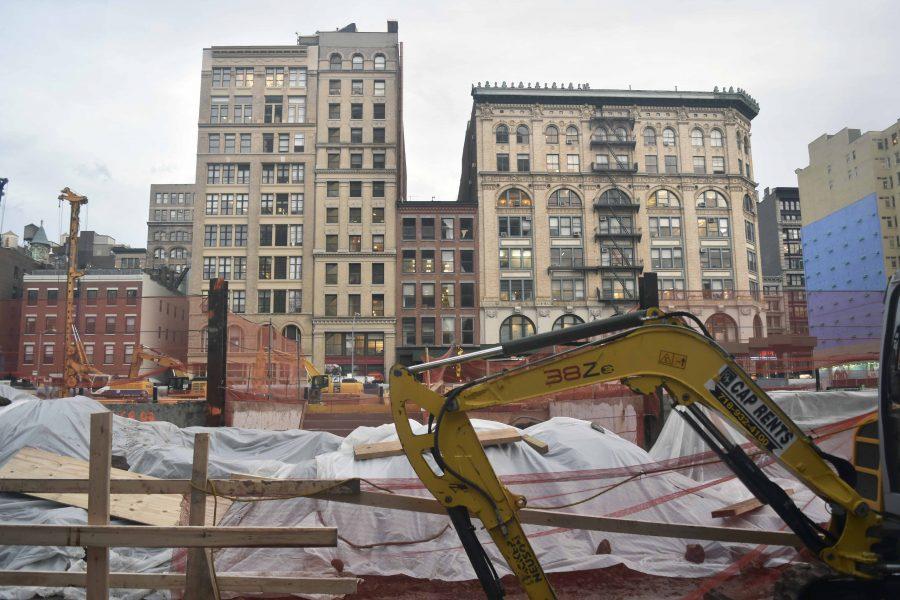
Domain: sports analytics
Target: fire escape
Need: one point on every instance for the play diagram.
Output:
(616, 233)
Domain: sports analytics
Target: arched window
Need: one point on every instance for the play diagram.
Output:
(513, 197)
(502, 134)
(571, 134)
(722, 328)
(379, 62)
(159, 253)
(291, 332)
(522, 134)
(567, 321)
(696, 137)
(357, 62)
(615, 196)
(649, 136)
(621, 134)
(178, 253)
(746, 144)
(515, 327)
(668, 136)
(565, 197)
(715, 138)
(235, 338)
(757, 327)
(335, 61)
(749, 204)
(712, 199)
(552, 134)
(601, 134)
(663, 198)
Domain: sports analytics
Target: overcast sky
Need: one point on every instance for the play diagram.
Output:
(103, 96)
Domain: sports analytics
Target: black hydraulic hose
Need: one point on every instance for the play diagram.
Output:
(481, 562)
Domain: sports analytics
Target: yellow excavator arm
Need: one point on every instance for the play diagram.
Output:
(647, 351)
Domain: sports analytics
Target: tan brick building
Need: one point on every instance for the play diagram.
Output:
(170, 225)
(580, 190)
(299, 166)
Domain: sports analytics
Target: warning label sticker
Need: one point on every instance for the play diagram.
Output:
(758, 421)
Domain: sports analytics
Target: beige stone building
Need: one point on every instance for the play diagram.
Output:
(581, 190)
(170, 223)
(299, 166)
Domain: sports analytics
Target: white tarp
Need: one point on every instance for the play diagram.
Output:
(582, 462)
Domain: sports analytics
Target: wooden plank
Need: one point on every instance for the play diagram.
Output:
(140, 536)
(244, 486)
(150, 509)
(542, 447)
(548, 518)
(198, 572)
(739, 508)
(494, 437)
(97, 558)
(231, 582)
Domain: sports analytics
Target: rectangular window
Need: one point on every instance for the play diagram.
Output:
(33, 297)
(523, 163)
(514, 226)
(467, 329)
(378, 243)
(50, 324)
(110, 324)
(377, 214)
(671, 164)
(379, 87)
(665, 227)
(356, 136)
(130, 322)
(243, 77)
(515, 258)
(667, 258)
(553, 163)
(378, 160)
(377, 305)
(566, 227)
(297, 77)
(573, 163)
(354, 243)
(264, 301)
(718, 165)
(718, 288)
(408, 228)
(266, 235)
(218, 109)
(750, 231)
(274, 77)
(448, 331)
(715, 258)
(466, 228)
(331, 305)
(268, 143)
(334, 87)
(356, 111)
(567, 289)
(355, 274)
(408, 261)
(700, 164)
(265, 267)
(331, 243)
(447, 228)
(209, 267)
(331, 273)
(240, 268)
(295, 267)
(467, 294)
(377, 273)
(209, 236)
(229, 143)
(427, 228)
(427, 331)
(650, 164)
(225, 235)
(409, 295)
(751, 261)
(274, 107)
(713, 227)
(428, 261)
(355, 211)
(109, 354)
(214, 140)
(354, 305)
(514, 290)
(503, 162)
(356, 160)
(448, 261)
(334, 110)
(466, 261)
(378, 111)
(28, 355)
(408, 328)
(566, 258)
(428, 295)
(378, 189)
(284, 142)
(378, 135)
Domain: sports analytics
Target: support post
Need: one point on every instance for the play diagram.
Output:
(648, 290)
(198, 575)
(98, 503)
(216, 352)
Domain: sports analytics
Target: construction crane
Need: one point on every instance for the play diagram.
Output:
(71, 376)
(650, 351)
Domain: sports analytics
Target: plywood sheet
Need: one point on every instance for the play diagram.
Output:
(150, 509)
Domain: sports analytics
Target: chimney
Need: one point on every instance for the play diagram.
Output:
(392, 27)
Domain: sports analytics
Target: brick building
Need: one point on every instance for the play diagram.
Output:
(437, 281)
(14, 264)
(116, 310)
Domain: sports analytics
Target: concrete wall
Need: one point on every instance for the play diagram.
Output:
(182, 414)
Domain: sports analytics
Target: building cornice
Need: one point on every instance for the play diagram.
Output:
(740, 101)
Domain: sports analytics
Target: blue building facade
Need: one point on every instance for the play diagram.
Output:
(845, 278)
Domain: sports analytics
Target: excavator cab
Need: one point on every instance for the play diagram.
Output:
(318, 382)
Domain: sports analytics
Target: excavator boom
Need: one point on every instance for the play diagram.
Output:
(648, 351)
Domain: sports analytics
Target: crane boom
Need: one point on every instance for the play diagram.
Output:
(71, 376)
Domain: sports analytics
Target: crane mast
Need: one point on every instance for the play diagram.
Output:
(72, 274)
